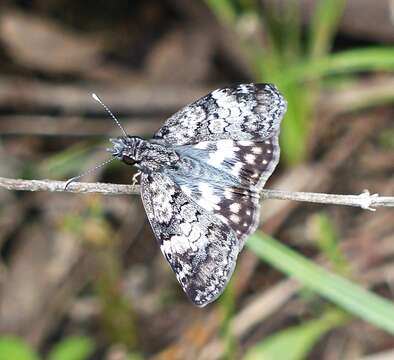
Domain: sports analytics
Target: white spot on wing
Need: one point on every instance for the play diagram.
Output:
(245, 143)
(179, 244)
(217, 157)
(195, 234)
(224, 144)
(228, 194)
(186, 190)
(234, 218)
(209, 201)
(202, 145)
(186, 228)
(250, 158)
(221, 217)
(217, 94)
(236, 168)
(235, 207)
(224, 112)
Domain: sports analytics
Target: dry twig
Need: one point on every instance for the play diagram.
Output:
(364, 200)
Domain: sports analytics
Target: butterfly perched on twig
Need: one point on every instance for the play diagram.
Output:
(201, 175)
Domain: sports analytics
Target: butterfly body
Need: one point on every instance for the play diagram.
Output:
(146, 155)
(201, 175)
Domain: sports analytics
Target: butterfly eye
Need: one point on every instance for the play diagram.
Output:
(128, 160)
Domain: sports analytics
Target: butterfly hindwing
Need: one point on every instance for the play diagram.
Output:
(250, 163)
(244, 112)
(200, 248)
(225, 178)
(235, 207)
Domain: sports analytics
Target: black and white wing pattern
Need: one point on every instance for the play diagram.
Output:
(225, 177)
(244, 112)
(204, 205)
(200, 248)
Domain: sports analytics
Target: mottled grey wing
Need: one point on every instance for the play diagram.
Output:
(225, 178)
(244, 112)
(200, 248)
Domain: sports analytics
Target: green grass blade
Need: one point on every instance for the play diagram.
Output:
(335, 288)
(293, 32)
(295, 127)
(323, 26)
(350, 61)
(295, 342)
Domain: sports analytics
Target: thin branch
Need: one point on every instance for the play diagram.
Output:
(75, 187)
(364, 200)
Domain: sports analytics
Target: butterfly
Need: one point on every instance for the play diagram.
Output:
(201, 175)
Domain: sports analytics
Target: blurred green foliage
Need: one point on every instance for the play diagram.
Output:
(61, 165)
(295, 343)
(227, 304)
(117, 318)
(328, 243)
(72, 348)
(14, 348)
(340, 291)
(386, 139)
(297, 58)
(69, 348)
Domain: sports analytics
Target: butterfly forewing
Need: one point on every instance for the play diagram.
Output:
(244, 112)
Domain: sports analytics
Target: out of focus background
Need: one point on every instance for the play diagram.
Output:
(81, 276)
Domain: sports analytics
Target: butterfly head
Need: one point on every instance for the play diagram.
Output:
(127, 148)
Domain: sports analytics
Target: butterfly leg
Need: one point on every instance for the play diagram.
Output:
(135, 179)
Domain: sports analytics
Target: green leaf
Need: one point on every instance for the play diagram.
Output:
(342, 292)
(300, 339)
(294, 128)
(324, 24)
(72, 348)
(16, 349)
(349, 61)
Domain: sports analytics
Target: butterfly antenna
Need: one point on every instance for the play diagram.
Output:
(95, 97)
(69, 181)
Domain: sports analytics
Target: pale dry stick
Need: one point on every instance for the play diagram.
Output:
(75, 187)
(364, 200)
